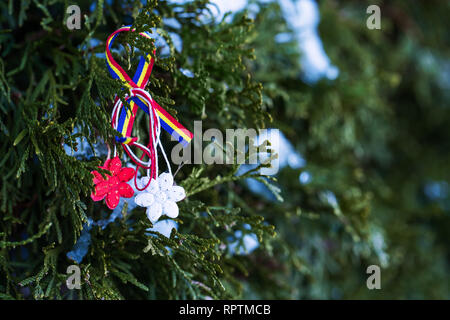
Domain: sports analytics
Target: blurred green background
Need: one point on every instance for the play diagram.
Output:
(375, 140)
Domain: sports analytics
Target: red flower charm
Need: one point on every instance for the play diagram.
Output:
(115, 186)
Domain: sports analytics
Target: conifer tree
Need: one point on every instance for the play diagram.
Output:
(372, 189)
(56, 94)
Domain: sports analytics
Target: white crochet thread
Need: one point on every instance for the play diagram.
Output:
(145, 96)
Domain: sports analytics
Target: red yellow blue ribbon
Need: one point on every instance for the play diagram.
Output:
(141, 77)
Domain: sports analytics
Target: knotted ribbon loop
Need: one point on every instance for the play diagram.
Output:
(123, 117)
(140, 97)
(140, 80)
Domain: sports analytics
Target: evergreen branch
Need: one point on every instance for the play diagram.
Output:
(40, 233)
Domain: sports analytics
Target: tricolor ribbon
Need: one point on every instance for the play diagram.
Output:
(123, 117)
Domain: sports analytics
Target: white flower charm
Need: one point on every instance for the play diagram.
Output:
(160, 197)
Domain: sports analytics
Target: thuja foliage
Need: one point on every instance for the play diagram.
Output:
(375, 142)
(55, 90)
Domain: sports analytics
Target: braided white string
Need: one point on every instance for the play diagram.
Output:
(156, 142)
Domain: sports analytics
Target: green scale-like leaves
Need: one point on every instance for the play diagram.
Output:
(54, 82)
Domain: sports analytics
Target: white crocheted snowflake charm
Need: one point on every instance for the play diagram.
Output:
(160, 197)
